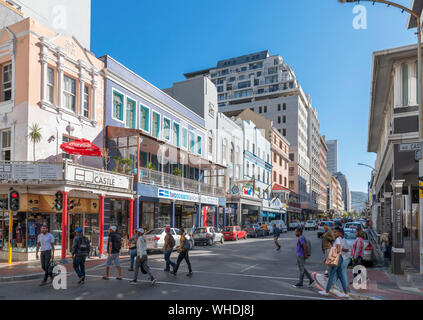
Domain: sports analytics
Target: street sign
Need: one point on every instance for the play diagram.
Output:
(404, 147)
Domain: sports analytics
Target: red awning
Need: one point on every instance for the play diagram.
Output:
(82, 147)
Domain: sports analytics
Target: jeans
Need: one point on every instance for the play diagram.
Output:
(142, 262)
(183, 256)
(79, 265)
(45, 263)
(303, 270)
(333, 271)
(344, 268)
(133, 254)
(169, 262)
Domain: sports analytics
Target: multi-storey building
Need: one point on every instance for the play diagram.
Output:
(314, 156)
(346, 194)
(322, 202)
(332, 160)
(335, 202)
(268, 86)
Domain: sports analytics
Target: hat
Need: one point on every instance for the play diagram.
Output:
(167, 229)
(140, 230)
(113, 228)
(78, 229)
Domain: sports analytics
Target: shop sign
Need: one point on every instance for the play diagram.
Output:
(209, 200)
(29, 171)
(177, 195)
(97, 177)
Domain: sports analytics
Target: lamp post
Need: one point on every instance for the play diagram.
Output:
(420, 102)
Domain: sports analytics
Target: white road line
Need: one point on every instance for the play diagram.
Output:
(248, 268)
(226, 289)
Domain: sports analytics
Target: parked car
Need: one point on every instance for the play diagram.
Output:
(254, 231)
(155, 238)
(294, 224)
(310, 225)
(207, 235)
(321, 229)
(355, 225)
(349, 236)
(280, 224)
(234, 233)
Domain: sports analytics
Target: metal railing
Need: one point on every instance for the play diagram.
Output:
(171, 181)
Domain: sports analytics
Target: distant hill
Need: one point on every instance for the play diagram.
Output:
(358, 200)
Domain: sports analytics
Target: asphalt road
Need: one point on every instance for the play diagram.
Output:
(247, 269)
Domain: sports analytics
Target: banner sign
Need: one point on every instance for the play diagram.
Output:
(186, 196)
(30, 171)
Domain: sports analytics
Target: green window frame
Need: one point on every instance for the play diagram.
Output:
(199, 145)
(155, 125)
(118, 100)
(176, 134)
(145, 118)
(185, 138)
(130, 113)
(166, 128)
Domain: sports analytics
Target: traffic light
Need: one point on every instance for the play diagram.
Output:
(58, 201)
(4, 205)
(14, 200)
(71, 204)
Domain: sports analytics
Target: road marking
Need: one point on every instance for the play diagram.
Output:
(225, 289)
(248, 268)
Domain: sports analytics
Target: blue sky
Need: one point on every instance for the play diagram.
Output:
(162, 39)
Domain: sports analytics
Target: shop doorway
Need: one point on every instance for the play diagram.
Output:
(89, 223)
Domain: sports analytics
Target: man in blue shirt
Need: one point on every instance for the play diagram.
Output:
(302, 255)
(276, 234)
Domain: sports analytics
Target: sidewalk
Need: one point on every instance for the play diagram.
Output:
(381, 286)
(29, 270)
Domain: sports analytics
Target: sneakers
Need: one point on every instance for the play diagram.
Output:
(311, 283)
(324, 293)
(81, 281)
(134, 282)
(43, 283)
(298, 285)
(130, 269)
(153, 282)
(189, 274)
(173, 272)
(343, 295)
(166, 270)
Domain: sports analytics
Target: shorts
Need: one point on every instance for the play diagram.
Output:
(113, 259)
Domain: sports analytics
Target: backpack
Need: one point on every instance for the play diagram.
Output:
(187, 244)
(308, 248)
(172, 242)
(117, 243)
(83, 245)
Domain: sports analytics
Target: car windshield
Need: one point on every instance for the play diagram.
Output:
(200, 230)
(310, 221)
(228, 229)
(350, 235)
(154, 231)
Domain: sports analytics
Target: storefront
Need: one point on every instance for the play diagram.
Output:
(245, 210)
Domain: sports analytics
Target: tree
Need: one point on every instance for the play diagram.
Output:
(35, 136)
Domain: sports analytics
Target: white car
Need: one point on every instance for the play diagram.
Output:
(207, 236)
(155, 239)
(294, 224)
(280, 224)
(310, 225)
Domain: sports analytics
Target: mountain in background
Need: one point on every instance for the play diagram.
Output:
(358, 200)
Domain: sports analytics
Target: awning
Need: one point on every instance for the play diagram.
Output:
(82, 147)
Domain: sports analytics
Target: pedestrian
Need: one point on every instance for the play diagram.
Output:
(276, 235)
(357, 250)
(133, 250)
(141, 261)
(327, 240)
(169, 244)
(302, 256)
(80, 251)
(346, 259)
(45, 243)
(183, 250)
(114, 244)
(336, 270)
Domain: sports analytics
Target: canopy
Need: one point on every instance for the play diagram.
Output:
(81, 147)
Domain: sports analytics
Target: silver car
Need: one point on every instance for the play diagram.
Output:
(208, 236)
(349, 236)
(155, 238)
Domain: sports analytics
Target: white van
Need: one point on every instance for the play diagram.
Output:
(280, 224)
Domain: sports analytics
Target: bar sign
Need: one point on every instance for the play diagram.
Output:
(404, 147)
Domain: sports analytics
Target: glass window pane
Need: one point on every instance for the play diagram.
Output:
(405, 84)
(166, 129)
(117, 106)
(156, 125)
(176, 134)
(145, 118)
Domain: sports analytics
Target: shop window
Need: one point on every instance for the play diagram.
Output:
(145, 119)
(6, 82)
(147, 221)
(86, 106)
(166, 129)
(119, 217)
(156, 125)
(164, 215)
(50, 85)
(69, 93)
(130, 113)
(6, 144)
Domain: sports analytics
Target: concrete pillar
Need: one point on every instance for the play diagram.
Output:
(398, 251)
(64, 223)
(388, 211)
(100, 249)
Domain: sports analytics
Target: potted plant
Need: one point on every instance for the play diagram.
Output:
(177, 172)
(117, 163)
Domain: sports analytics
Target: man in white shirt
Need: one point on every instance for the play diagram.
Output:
(142, 258)
(45, 241)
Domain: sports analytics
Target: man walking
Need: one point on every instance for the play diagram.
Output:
(80, 251)
(327, 239)
(142, 258)
(45, 241)
(133, 251)
(168, 248)
(114, 245)
(276, 234)
(183, 250)
(302, 255)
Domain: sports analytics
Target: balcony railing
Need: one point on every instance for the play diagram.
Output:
(171, 181)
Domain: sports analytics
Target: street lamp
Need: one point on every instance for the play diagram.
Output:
(366, 165)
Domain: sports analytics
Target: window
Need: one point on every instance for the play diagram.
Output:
(185, 138)
(260, 109)
(191, 141)
(145, 119)
(130, 113)
(7, 83)
(284, 106)
(284, 119)
(155, 125)
(210, 145)
(279, 107)
(166, 129)
(404, 69)
(284, 132)
(284, 181)
(6, 145)
(279, 119)
(117, 106)
(199, 142)
(176, 134)
(50, 85)
(280, 179)
(245, 84)
(86, 107)
(69, 93)
(265, 109)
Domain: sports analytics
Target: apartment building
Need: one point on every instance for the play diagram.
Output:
(314, 156)
(335, 202)
(267, 85)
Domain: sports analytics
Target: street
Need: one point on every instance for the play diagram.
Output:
(248, 269)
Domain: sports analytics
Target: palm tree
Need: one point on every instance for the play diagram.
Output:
(35, 135)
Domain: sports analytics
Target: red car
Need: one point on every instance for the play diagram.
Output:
(234, 233)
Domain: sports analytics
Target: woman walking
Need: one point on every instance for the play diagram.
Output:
(336, 270)
(346, 259)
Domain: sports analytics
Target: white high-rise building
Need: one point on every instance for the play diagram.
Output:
(332, 160)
